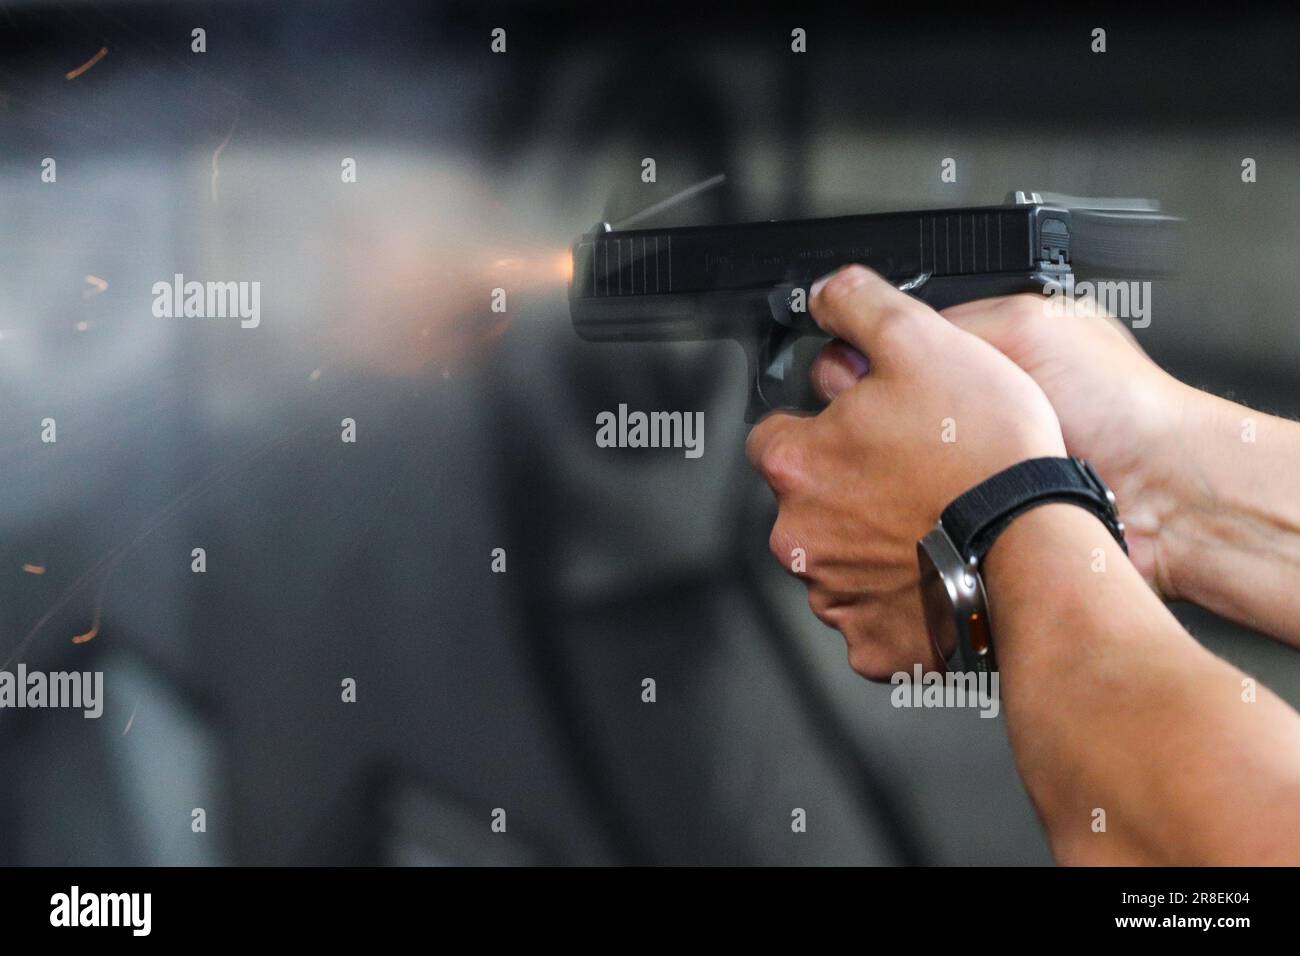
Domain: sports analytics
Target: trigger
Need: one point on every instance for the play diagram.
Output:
(788, 305)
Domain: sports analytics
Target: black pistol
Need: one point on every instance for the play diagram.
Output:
(749, 281)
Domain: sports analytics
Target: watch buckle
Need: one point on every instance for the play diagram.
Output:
(1112, 505)
(1090, 475)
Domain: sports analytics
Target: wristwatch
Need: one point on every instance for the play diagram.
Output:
(952, 591)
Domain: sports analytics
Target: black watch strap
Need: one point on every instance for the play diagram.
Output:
(974, 520)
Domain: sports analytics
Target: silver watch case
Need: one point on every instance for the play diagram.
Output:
(956, 608)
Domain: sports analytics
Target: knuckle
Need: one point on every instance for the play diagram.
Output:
(782, 465)
(839, 287)
(898, 328)
(1087, 307)
(1027, 308)
(754, 442)
(782, 544)
(867, 660)
(823, 608)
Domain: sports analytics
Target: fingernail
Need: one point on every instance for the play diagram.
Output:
(846, 277)
(858, 363)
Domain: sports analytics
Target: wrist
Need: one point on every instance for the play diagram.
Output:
(1058, 549)
(1165, 506)
(1057, 533)
(1228, 495)
(956, 610)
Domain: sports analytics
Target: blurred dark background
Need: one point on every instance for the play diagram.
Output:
(372, 560)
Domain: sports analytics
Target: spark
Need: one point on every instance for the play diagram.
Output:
(314, 376)
(82, 326)
(34, 568)
(73, 74)
(97, 285)
(217, 156)
(91, 634)
(130, 720)
(110, 562)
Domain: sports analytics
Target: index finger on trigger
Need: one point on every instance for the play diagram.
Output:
(868, 312)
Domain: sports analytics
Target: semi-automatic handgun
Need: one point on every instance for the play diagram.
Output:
(749, 281)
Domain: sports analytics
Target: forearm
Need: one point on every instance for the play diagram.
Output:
(1229, 539)
(1111, 706)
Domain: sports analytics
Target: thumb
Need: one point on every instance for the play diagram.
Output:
(1022, 326)
(993, 320)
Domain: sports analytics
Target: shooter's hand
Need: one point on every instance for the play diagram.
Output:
(1206, 487)
(1117, 408)
(858, 484)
